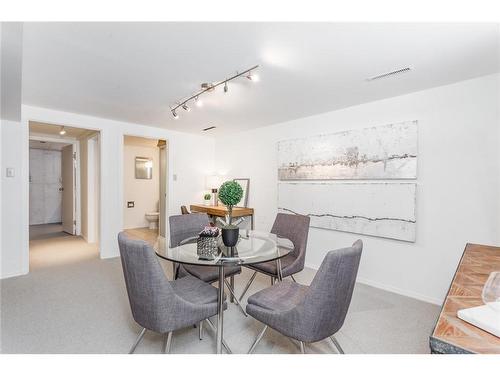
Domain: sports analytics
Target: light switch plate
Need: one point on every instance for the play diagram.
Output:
(10, 172)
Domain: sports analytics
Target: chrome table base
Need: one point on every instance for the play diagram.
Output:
(220, 310)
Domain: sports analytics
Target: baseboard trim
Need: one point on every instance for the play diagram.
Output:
(109, 256)
(392, 289)
(12, 274)
(402, 292)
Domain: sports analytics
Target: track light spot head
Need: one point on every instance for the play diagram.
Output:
(253, 77)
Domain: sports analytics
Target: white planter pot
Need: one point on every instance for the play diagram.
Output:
(207, 202)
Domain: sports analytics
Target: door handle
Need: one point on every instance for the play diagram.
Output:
(61, 189)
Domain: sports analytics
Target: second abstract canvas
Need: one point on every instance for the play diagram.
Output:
(376, 209)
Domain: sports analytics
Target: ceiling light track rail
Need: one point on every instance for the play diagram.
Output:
(210, 87)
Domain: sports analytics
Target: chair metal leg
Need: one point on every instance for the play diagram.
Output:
(272, 280)
(231, 282)
(200, 330)
(302, 347)
(224, 344)
(248, 285)
(337, 345)
(259, 337)
(279, 270)
(231, 292)
(167, 342)
(293, 278)
(139, 338)
(175, 271)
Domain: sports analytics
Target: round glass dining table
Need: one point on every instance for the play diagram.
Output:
(253, 247)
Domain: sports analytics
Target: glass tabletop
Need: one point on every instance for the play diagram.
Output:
(252, 247)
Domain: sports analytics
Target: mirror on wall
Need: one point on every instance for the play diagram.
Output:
(143, 168)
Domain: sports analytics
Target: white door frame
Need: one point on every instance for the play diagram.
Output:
(77, 183)
(93, 187)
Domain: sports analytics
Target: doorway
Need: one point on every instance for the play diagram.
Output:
(145, 187)
(52, 189)
(63, 194)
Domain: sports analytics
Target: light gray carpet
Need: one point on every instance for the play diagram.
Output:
(80, 306)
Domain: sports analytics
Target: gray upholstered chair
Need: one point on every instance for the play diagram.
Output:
(185, 228)
(157, 304)
(296, 229)
(310, 313)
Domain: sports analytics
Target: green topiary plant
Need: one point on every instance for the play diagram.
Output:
(230, 193)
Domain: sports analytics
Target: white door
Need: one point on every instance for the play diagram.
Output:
(68, 193)
(45, 184)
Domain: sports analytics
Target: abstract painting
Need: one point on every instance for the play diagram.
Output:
(381, 152)
(376, 209)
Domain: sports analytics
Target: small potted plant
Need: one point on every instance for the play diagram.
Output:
(206, 199)
(230, 194)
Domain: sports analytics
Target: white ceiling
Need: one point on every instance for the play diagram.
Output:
(134, 71)
(130, 140)
(40, 128)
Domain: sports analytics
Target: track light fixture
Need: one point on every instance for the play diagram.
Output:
(62, 131)
(253, 77)
(208, 87)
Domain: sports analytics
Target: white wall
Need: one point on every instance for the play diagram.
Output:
(190, 158)
(458, 183)
(14, 150)
(11, 70)
(144, 193)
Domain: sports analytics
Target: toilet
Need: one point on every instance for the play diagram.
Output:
(152, 218)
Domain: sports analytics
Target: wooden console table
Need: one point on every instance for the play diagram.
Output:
(451, 334)
(221, 211)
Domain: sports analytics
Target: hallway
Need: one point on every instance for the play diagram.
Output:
(53, 248)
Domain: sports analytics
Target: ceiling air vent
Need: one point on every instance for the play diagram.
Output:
(390, 74)
(209, 128)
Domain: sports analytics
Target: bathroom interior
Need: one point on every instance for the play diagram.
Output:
(144, 188)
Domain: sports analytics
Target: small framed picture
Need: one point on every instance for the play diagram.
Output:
(245, 184)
